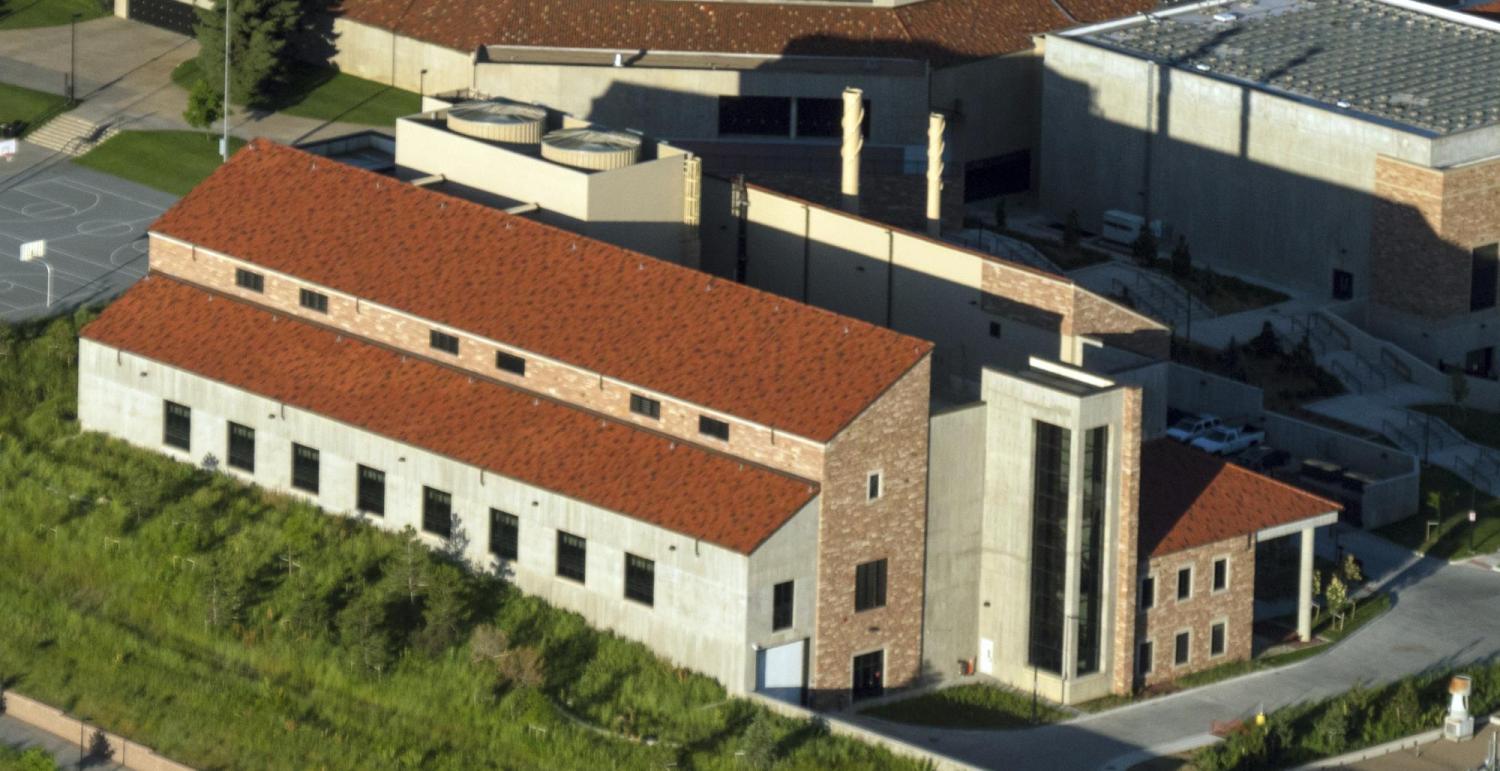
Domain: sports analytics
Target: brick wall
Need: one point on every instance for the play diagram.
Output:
(1119, 327)
(1235, 605)
(1028, 297)
(574, 385)
(889, 437)
(1128, 529)
(1419, 255)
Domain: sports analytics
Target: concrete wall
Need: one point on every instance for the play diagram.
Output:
(791, 554)
(1396, 495)
(389, 57)
(955, 523)
(702, 591)
(994, 105)
(565, 382)
(1014, 404)
(1193, 390)
(1259, 184)
(1234, 606)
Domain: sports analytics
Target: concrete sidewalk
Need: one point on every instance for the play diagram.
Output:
(124, 79)
(19, 735)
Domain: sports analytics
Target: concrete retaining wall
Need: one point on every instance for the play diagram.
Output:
(54, 721)
(843, 727)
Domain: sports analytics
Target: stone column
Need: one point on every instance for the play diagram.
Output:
(1304, 587)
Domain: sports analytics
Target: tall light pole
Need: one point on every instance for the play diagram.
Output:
(228, 25)
(73, 58)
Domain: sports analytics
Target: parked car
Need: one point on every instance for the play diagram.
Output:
(1193, 426)
(1228, 440)
(1263, 458)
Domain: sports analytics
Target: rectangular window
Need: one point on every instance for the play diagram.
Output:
(572, 553)
(640, 579)
(995, 329)
(717, 429)
(505, 535)
(872, 487)
(1180, 649)
(1148, 592)
(443, 342)
(1484, 270)
(506, 362)
(304, 468)
(370, 491)
(869, 586)
(1216, 639)
(1143, 660)
(1343, 284)
(1049, 545)
(646, 406)
(781, 606)
(316, 301)
(1221, 574)
(437, 512)
(1184, 583)
(1091, 549)
(242, 447)
(177, 426)
(755, 116)
(245, 279)
(824, 117)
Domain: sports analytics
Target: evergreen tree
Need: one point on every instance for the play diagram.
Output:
(1144, 248)
(1182, 259)
(259, 35)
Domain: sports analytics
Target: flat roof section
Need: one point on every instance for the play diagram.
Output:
(583, 456)
(1190, 498)
(1414, 67)
(693, 336)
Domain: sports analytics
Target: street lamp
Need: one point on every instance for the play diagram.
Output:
(34, 251)
(73, 57)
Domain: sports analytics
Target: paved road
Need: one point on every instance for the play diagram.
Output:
(124, 79)
(14, 733)
(94, 224)
(1442, 616)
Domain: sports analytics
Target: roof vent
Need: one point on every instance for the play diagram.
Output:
(1226, 16)
(498, 121)
(591, 148)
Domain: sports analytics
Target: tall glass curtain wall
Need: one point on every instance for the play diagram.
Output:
(1049, 547)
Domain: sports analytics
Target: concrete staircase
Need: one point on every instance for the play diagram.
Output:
(71, 135)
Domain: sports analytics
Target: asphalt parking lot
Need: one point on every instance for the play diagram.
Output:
(94, 224)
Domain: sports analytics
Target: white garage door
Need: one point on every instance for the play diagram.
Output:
(780, 673)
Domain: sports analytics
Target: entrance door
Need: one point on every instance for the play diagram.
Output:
(986, 656)
(869, 675)
(781, 671)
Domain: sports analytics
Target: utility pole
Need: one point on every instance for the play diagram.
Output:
(228, 25)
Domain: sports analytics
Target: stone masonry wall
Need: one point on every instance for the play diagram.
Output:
(1414, 266)
(890, 437)
(1126, 558)
(563, 382)
(1119, 327)
(1234, 605)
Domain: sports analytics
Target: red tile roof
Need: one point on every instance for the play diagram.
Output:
(1190, 498)
(675, 330)
(1489, 11)
(574, 453)
(944, 32)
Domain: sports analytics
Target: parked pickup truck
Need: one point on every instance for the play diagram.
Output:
(1228, 440)
(1192, 426)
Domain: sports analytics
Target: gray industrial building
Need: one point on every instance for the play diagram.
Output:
(1344, 150)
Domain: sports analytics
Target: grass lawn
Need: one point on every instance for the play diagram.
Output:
(1451, 539)
(976, 705)
(151, 597)
(323, 93)
(27, 106)
(172, 161)
(1482, 426)
(21, 14)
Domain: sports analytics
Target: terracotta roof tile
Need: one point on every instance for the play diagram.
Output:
(1190, 498)
(700, 338)
(577, 454)
(944, 32)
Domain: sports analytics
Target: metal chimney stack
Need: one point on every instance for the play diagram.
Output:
(935, 127)
(1459, 724)
(854, 118)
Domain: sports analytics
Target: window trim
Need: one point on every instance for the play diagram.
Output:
(583, 547)
(168, 436)
(862, 601)
(515, 525)
(645, 406)
(791, 605)
(510, 363)
(229, 454)
(1191, 571)
(648, 598)
(311, 300)
(437, 340)
(1188, 659)
(359, 490)
(250, 280)
(317, 460)
(1221, 623)
(874, 481)
(1213, 588)
(709, 427)
(428, 498)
